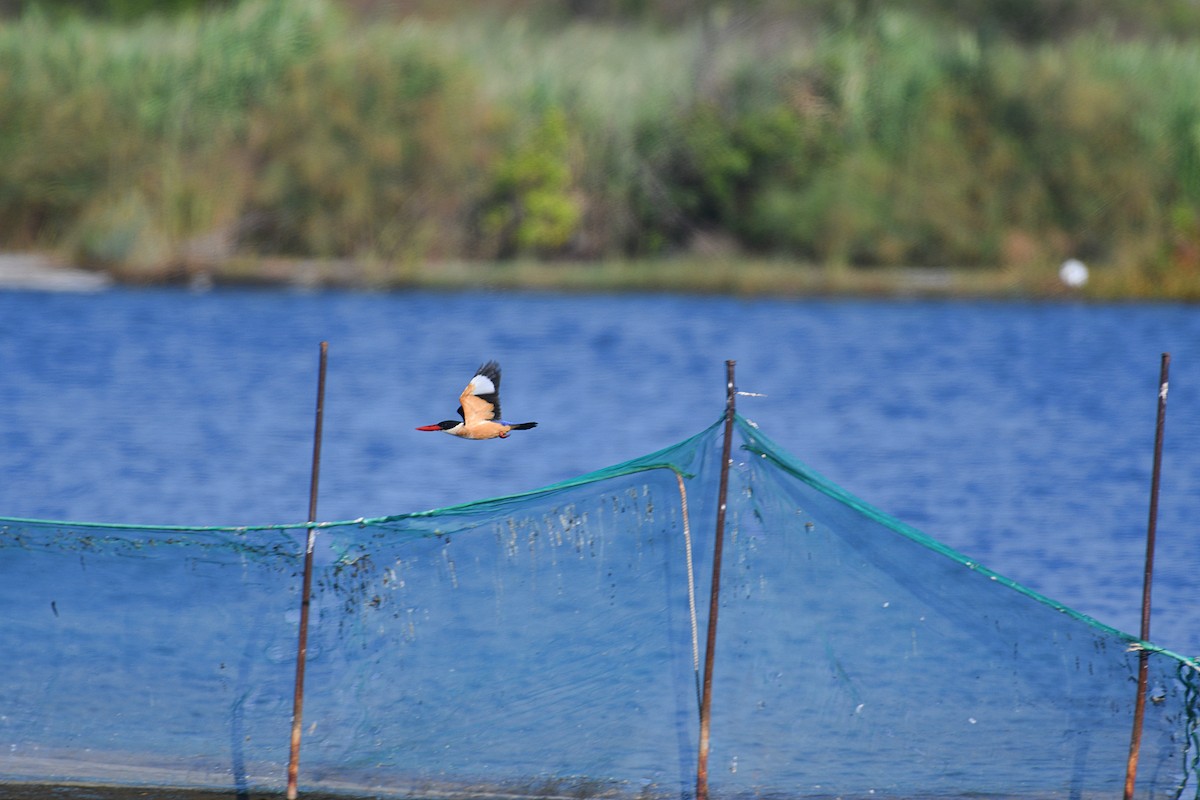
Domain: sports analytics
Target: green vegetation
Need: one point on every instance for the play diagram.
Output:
(860, 137)
(108, 9)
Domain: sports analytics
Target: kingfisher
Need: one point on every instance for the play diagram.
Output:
(479, 407)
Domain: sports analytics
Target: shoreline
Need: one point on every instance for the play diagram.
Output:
(41, 272)
(712, 276)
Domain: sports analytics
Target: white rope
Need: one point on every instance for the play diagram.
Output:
(687, 539)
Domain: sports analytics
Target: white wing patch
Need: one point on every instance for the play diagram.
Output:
(481, 384)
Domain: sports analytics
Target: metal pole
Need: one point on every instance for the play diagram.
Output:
(1139, 708)
(715, 595)
(293, 772)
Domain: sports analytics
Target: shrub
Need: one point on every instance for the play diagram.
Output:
(533, 206)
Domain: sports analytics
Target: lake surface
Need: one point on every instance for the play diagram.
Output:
(1019, 434)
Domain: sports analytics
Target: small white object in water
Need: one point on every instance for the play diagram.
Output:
(1073, 273)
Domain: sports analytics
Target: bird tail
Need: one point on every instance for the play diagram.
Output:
(524, 426)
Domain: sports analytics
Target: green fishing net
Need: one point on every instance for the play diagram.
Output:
(549, 644)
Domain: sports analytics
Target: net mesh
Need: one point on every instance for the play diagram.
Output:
(544, 645)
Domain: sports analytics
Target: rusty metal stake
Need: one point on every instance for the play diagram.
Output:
(1139, 708)
(293, 771)
(715, 596)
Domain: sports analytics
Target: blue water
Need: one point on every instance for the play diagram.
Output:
(1020, 434)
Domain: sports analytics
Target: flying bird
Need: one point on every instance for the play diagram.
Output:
(479, 407)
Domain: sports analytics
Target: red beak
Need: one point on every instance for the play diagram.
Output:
(430, 428)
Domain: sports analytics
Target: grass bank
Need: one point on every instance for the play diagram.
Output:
(287, 137)
(737, 276)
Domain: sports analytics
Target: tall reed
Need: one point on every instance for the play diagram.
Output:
(285, 127)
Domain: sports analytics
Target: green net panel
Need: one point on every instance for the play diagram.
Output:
(545, 645)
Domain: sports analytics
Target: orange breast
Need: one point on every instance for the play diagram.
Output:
(485, 430)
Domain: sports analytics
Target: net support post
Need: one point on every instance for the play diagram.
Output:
(1139, 708)
(293, 770)
(715, 594)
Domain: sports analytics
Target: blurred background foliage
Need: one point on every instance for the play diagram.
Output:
(151, 137)
(120, 10)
